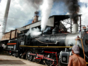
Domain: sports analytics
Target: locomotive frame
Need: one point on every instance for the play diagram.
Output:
(39, 49)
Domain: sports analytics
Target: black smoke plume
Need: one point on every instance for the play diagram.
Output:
(73, 8)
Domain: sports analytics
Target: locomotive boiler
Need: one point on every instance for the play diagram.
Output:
(60, 39)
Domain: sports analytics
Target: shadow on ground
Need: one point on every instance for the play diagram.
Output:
(11, 62)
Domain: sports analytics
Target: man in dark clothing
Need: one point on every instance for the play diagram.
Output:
(75, 59)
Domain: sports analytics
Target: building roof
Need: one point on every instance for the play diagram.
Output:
(61, 17)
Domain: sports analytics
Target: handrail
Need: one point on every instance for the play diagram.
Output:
(82, 45)
(47, 46)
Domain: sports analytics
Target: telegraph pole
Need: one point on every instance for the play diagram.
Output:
(6, 15)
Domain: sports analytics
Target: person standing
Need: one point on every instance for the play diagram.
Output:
(75, 59)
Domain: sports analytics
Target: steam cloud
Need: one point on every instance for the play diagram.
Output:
(45, 9)
(34, 32)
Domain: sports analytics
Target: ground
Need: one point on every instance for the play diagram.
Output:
(6, 60)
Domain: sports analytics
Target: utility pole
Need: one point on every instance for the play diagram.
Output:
(6, 15)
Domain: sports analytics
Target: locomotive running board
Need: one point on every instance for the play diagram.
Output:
(46, 46)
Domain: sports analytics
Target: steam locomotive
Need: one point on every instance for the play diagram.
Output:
(52, 46)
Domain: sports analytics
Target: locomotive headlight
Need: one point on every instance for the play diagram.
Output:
(64, 56)
(4, 46)
(64, 59)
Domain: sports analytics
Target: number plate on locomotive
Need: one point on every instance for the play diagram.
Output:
(10, 46)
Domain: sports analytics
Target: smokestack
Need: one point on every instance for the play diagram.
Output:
(75, 28)
(35, 17)
(74, 17)
(73, 8)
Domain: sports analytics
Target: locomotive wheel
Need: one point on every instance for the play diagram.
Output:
(29, 57)
(49, 63)
(33, 58)
(15, 54)
(19, 55)
(58, 64)
(10, 53)
(24, 56)
(37, 60)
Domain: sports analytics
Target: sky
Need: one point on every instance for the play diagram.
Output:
(21, 12)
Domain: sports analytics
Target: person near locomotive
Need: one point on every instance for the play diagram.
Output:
(75, 59)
